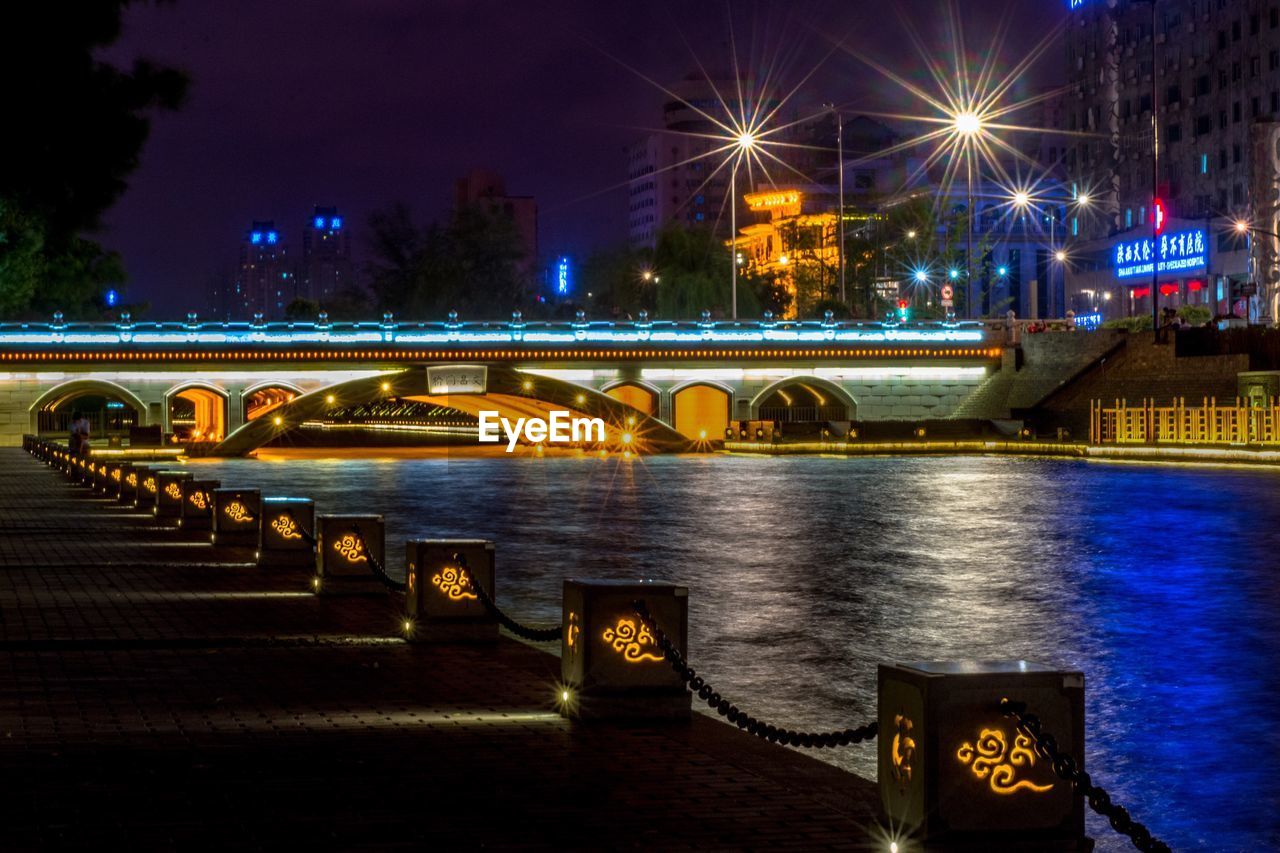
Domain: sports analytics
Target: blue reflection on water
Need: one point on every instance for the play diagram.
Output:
(1159, 583)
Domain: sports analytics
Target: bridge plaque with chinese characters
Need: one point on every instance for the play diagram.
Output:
(457, 379)
(953, 770)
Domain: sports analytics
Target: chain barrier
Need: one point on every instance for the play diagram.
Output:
(698, 685)
(379, 571)
(1064, 766)
(527, 632)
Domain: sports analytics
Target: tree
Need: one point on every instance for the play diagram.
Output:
(693, 264)
(72, 140)
(472, 264)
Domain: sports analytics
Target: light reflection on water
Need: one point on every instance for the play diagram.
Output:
(1160, 583)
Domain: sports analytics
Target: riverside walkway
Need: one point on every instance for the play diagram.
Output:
(156, 694)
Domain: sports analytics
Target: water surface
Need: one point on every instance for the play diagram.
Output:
(1160, 583)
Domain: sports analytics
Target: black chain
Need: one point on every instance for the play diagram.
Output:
(1065, 767)
(527, 632)
(379, 571)
(741, 719)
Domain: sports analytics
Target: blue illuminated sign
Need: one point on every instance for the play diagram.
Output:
(255, 237)
(336, 222)
(562, 277)
(1089, 321)
(111, 298)
(272, 236)
(1074, 4)
(319, 222)
(1184, 251)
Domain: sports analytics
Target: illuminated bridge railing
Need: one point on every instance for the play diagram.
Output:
(682, 333)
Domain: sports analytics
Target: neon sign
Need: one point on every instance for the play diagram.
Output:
(1187, 250)
(562, 277)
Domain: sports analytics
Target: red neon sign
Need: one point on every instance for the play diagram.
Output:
(1158, 212)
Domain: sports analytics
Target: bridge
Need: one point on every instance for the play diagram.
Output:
(232, 387)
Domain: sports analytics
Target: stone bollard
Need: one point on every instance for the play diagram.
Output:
(954, 771)
(130, 479)
(288, 531)
(107, 479)
(346, 548)
(169, 493)
(197, 504)
(148, 489)
(441, 604)
(99, 483)
(236, 516)
(610, 662)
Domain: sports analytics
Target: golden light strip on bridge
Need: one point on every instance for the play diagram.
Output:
(759, 353)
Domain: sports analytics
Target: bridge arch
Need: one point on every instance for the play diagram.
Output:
(821, 400)
(701, 409)
(264, 397)
(508, 391)
(641, 396)
(50, 410)
(196, 410)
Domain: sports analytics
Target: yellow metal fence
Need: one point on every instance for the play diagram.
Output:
(1208, 423)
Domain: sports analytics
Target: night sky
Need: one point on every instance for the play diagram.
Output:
(359, 103)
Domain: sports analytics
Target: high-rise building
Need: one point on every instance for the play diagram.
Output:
(488, 191)
(264, 283)
(1211, 70)
(671, 174)
(325, 269)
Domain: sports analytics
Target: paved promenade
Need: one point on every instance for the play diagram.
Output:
(155, 694)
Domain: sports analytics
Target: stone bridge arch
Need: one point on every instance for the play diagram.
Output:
(508, 391)
(66, 392)
(825, 393)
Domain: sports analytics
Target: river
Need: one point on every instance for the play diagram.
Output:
(1159, 582)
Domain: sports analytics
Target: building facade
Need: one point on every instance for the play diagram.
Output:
(1210, 69)
(488, 191)
(264, 282)
(325, 269)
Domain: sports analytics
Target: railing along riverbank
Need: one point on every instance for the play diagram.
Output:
(984, 754)
(1241, 422)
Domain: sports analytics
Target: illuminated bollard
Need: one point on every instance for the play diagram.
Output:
(953, 770)
(197, 504)
(288, 532)
(103, 485)
(441, 603)
(610, 662)
(115, 478)
(130, 477)
(236, 516)
(346, 545)
(169, 493)
(148, 489)
(99, 483)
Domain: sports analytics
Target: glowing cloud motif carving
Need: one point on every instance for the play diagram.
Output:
(132, 479)
(174, 491)
(351, 548)
(572, 632)
(902, 752)
(115, 475)
(198, 500)
(453, 584)
(286, 527)
(150, 484)
(629, 640)
(236, 511)
(991, 759)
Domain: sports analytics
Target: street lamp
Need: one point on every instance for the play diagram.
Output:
(1022, 201)
(744, 142)
(967, 125)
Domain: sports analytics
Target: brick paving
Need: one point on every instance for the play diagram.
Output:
(158, 694)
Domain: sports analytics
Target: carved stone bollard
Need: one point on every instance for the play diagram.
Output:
(236, 516)
(148, 489)
(169, 493)
(610, 662)
(130, 478)
(288, 531)
(348, 547)
(441, 603)
(197, 504)
(954, 771)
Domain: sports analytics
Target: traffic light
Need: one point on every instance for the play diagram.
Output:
(904, 309)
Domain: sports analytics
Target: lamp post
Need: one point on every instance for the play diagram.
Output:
(968, 125)
(1022, 200)
(744, 143)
